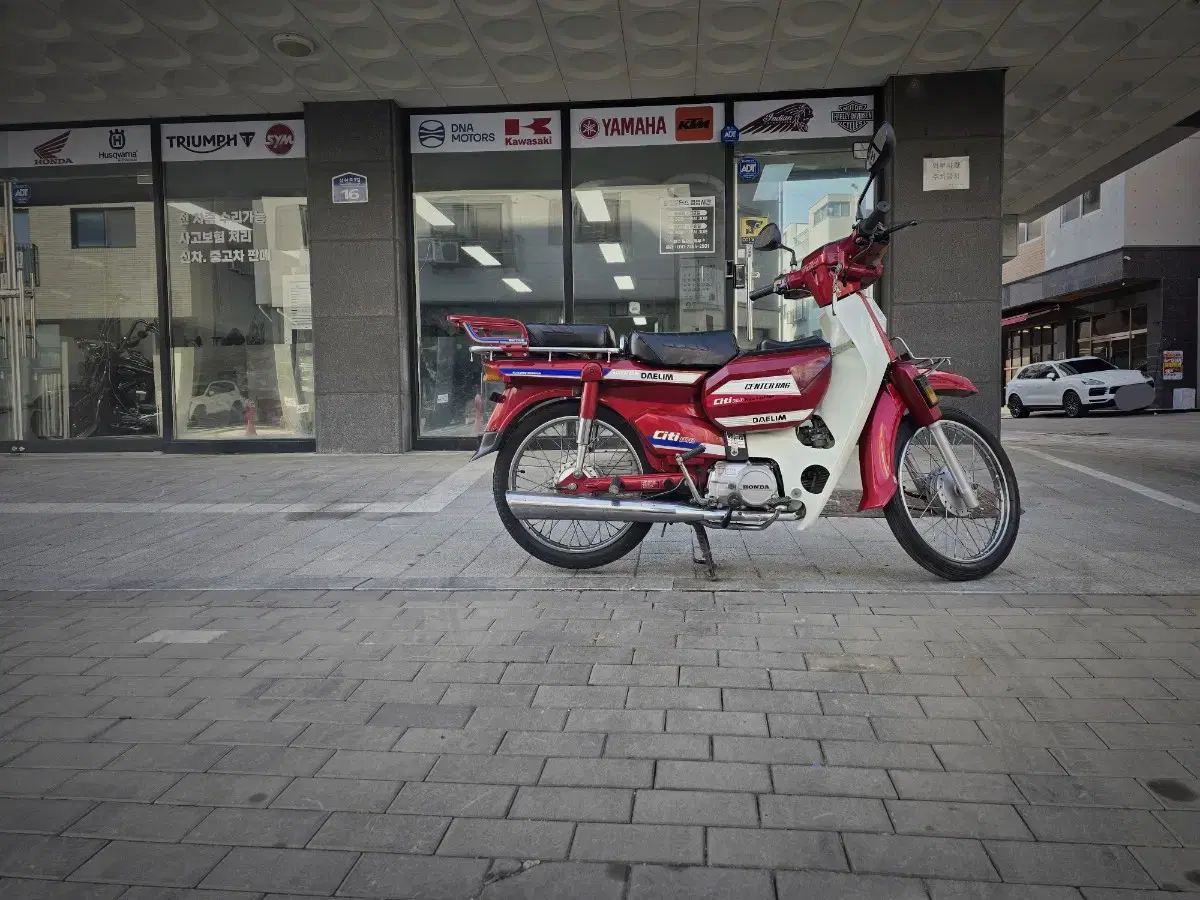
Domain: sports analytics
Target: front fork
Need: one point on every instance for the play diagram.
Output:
(925, 413)
(589, 401)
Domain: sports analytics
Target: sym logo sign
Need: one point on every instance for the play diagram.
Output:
(227, 141)
(640, 126)
(485, 132)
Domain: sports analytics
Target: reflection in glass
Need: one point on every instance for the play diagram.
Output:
(241, 309)
(488, 242)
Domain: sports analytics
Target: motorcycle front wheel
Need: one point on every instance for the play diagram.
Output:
(928, 515)
(536, 453)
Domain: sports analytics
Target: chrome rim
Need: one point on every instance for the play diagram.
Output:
(934, 505)
(1072, 405)
(546, 454)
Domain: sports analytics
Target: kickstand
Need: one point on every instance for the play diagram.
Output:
(704, 556)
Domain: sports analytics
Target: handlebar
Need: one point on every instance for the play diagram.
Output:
(764, 292)
(865, 228)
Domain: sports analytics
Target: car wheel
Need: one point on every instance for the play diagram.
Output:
(237, 412)
(1073, 406)
(1016, 408)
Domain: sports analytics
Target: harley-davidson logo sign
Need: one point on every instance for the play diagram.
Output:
(793, 117)
(852, 116)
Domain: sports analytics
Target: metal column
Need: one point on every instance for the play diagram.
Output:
(18, 320)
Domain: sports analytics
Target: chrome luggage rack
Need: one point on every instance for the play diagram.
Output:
(515, 349)
(509, 337)
(924, 364)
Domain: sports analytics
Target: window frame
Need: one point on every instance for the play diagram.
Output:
(1064, 216)
(104, 212)
(1083, 201)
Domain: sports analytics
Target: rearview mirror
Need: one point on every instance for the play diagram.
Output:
(883, 145)
(768, 239)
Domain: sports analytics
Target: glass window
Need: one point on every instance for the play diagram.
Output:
(86, 241)
(649, 237)
(241, 310)
(1071, 209)
(1090, 200)
(1083, 366)
(1030, 231)
(488, 231)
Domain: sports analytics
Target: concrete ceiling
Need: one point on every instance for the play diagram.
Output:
(1089, 81)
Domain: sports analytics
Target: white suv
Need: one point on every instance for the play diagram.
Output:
(1076, 386)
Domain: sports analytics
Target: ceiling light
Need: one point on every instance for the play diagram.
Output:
(297, 46)
(624, 282)
(481, 256)
(612, 253)
(517, 285)
(593, 206)
(431, 213)
(640, 321)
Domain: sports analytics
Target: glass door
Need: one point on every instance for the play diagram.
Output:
(18, 322)
(810, 194)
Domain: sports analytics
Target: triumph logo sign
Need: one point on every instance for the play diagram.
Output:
(47, 152)
(852, 116)
(209, 143)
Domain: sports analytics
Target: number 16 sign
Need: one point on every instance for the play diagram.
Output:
(349, 187)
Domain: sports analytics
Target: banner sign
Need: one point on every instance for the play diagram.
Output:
(78, 146)
(485, 132)
(225, 141)
(687, 225)
(640, 126)
(816, 117)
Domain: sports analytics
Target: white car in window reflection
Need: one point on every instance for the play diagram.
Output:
(1076, 386)
(222, 402)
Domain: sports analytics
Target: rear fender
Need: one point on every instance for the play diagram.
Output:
(514, 403)
(877, 444)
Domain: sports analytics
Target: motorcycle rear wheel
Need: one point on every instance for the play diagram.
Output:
(533, 455)
(927, 515)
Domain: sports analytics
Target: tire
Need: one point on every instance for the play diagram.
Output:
(198, 414)
(916, 546)
(1073, 407)
(564, 559)
(1016, 408)
(237, 412)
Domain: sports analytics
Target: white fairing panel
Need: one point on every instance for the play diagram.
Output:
(860, 360)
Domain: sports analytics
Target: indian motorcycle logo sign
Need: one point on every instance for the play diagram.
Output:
(790, 118)
(644, 125)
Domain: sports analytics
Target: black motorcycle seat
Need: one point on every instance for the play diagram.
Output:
(703, 349)
(812, 342)
(582, 337)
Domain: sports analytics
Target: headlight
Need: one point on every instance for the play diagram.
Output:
(1092, 381)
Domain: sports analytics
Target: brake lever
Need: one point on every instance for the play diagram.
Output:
(890, 231)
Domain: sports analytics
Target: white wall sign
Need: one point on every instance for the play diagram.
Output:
(639, 126)
(268, 139)
(482, 132)
(78, 146)
(946, 173)
(815, 117)
(687, 225)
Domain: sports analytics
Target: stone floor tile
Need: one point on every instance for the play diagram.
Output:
(33, 889)
(262, 869)
(1067, 864)
(351, 794)
(668, 844)
(257, 827)
(519, 838)
(486, 801)
(1172, 869)
(394, 877)
(775, 849)
(158, 865)
(696, 883)
(927, 857)
(40, 856)
(39, 816)
(561, 880)
(812, 885)
(138, 822)
(967, 820)
(226, 790)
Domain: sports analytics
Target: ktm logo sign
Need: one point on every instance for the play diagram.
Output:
(693, 123)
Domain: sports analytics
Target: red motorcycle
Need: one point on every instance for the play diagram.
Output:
(598, 440)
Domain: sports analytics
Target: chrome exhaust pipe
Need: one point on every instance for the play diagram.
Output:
(546, 507)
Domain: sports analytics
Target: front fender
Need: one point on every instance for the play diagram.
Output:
(514, 403)
(877, 444)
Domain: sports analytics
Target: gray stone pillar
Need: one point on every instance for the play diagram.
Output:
(361, 317)
(942, 287)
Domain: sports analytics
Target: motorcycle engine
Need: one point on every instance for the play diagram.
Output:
(742, 484)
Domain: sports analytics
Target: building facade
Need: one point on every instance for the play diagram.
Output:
(1115, 273)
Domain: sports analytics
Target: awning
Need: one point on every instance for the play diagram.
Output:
(1014, 320)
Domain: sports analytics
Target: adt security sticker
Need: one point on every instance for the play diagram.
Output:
(748, 168)
(349, 187)
(20, 194)
(730, 135)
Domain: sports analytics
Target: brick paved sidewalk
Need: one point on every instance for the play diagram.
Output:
(598, 745)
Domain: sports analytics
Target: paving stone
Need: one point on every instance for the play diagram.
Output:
(572, 804)
(234, 709)
(1084, 826)
(253, 760)
(449, 740)
(695, 808)
(138, 822)
(1042, 734)
(657, 746)
(57, 755)
(225, 790)
(147, 707)
(1050, 710)
(969, 820)
(831, 781)
(712, 722)
(979, 708)
(913, 730)
(263, 869)
(163, 865)
(713, 776)
(1124, 763)
(928, 857)
(672, 844)
(378, 765)
(455, 800)
(348, 737)
(257, 827)
(616, 720)
(870, 705)
(1074, 790)
(809, 885)
(142, 787)
(40, 856)
(981, 890)
(60, 729)
(724, 676)
(965, 786)
(1076, 865)
(1184, 824)
(844, 728)
(550, 743)
(354, 795)
(403, 692)
(373, 832)
(618, 773)
(535, 719)
(745, 700)
(38, 816)
(518, 838)
(683, 883)
(823, 813)
(775, 849)
(1019, 760)
(410, 877)
(765, 750)
(489, 769)
(833, 682)
(30, 889)
(1133, 737)
(882, 754)
(564, 881)
(273, 733)
(574, 696)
